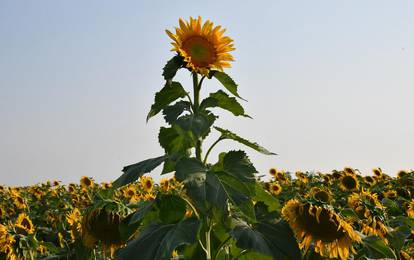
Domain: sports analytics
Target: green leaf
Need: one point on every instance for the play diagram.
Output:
(134, 171)
(175, 140)
(275, 240)
(199, 124)
(398, 236)
(376, 248)
(143, 208)
(238, 165)
(172, 208)
(226, 81)
(159, 241)
(168, 94)
(171, 113)
(226, 134)
(270, 201)
(222, 100)
(172, 66)
(402, 220)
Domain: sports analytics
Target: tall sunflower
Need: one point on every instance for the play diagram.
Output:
(203, 46)
(331, 235)
(24, 224)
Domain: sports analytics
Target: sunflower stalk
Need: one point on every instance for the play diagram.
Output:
(196, 105)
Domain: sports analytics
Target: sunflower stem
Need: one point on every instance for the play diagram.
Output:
(211, 148)
(196, 106)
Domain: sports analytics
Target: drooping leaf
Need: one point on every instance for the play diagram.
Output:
(168, 94)
(171, 113)
(175, 140)
(377, 248)
(226, 81)
(134, 171)
(198, 124)
(222, 100)
(172, 208)
(230, 135)
(172, 66)
(159, 241)
(275, 240)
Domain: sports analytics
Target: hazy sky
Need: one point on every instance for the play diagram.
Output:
(329, 83)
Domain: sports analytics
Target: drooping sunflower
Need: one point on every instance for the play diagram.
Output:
(331, 235)
(86, 182)
(349, 182)
(24, 224)
(203, 46)
(275, 188)
(369, 210)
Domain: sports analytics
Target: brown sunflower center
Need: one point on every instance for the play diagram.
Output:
(327, 227)
(349, 182)
(148, 183)
(200, 50)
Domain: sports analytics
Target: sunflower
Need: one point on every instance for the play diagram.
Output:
(377, 172)
(336, 174)
(331, 235)
(302, 177)
(402, 173)
(203, 46)
(320, 194)
(349, 182)
(369, 180)
(275, 188)
(24, 224)
(86, 182)
(273, 171)
(165, 185)
(367, 206)
(19, 202)
(410, 209)
(147, 183)
(74, 218)
(349, 170)
(6, 240)
(391, 194)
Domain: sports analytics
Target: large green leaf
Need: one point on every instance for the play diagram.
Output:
(376, 248)
(170, 69)
(134, 171)
(169, 93)
(172, 208)
(159, 241)
(226, 134)
(398, 237)
(226, 81)
(143, 208)
(171, 113)
(276, 240)
(270, 201)
(238, 165)
(198, 124)
(222, 100)
(175, 140)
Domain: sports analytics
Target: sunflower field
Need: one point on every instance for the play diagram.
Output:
(218, 208)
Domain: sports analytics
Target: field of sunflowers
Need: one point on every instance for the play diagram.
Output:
(341, 213)
(210, 209)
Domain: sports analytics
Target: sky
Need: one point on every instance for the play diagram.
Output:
(329, 84)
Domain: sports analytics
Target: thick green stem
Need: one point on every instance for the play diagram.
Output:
(208, 240)
(196, 105)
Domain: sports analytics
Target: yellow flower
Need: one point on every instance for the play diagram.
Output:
(369, 180)
(165, 185)
(147, 183)
(6, 240)
(321, 194)
(410, 209)
(349, 182)
(19, 202)
(86, 182)
(331, 235)
(391, 194)
(24, 224)
(275, 188)
(377, 172)
(349, 170)
(273, 171)
(74, 218)
(202, 46)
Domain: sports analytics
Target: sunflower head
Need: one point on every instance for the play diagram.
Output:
(147, 183)
(165, 185)
(369, 180)
(86, 182)
(377, 172)
(349, 170)
(402, 173)
(410, 209)
(349, 182)
(331, 235)
(320, 194)
(19, 202)
(273, 171)
(202, 45)
(24, 224)
(275, 188)
(390, 194)
(336, 175)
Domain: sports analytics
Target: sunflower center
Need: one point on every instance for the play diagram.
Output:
(322, 196)
(349, 182)
(327, 227)
(202, 52)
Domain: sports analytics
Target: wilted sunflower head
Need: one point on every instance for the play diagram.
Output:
(147, 183)
(203, 46)
(24, 224)
(402, 173)
(86, 182)
(275, 188)
(349, 182)
(331, 235)
(369, 180)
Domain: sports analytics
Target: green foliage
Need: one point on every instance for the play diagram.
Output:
(172, 66)
(377, 249)
(222, 100)
(226, 81)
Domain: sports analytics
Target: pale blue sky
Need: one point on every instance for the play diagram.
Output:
(329, 83)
